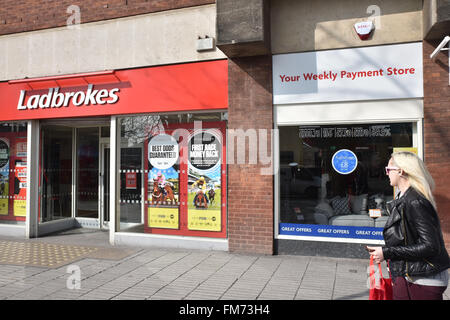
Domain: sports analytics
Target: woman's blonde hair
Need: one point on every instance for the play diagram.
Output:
(418, 175)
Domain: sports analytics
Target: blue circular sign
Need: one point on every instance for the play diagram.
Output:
(344, 161)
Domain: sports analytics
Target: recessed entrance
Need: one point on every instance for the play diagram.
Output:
(74, 166)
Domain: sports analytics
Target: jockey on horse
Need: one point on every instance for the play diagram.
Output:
(201, 185)
(161, 181)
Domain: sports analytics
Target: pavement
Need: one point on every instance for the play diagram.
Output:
(80, 264)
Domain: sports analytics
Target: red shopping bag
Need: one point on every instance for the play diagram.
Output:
(380, 288)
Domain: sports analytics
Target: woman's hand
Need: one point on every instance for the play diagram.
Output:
(377, 254)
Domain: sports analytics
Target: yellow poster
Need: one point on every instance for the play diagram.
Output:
(4, 191)
(204, 220)
(20, 208)
(166, 218)
(4, 199)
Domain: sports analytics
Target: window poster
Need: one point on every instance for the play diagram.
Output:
(4, 175)
(131, 180)
(204, 179)
(163, 182)
(344, 161)
(20, 177)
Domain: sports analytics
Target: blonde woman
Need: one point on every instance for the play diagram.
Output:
(414, 247)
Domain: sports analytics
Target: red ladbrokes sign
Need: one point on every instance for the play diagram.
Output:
(174, 88)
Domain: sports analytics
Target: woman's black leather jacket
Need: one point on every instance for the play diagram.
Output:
(413, 237)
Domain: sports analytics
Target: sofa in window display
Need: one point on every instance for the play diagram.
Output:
(352, 211)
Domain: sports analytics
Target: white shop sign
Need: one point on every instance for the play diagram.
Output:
(369, 73)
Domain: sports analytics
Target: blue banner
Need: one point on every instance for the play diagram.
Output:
(318, 230)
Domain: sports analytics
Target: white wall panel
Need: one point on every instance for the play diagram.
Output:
(347, 112)
(152, 39)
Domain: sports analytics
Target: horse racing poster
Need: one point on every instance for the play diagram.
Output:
(204, 179)
(20, 177)
(163, 183)
(4, 175)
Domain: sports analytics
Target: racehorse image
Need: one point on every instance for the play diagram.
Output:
(211, 195)
(200, 200)
(158, 196)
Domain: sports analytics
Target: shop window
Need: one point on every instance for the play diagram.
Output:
(13, 172)
(172, 174)
(332, 180)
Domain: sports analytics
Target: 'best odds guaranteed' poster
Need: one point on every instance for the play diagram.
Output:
(163, 182)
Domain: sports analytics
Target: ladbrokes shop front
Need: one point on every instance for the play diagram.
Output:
(140, 152)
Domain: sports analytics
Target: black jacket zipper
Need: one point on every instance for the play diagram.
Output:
(406, 243)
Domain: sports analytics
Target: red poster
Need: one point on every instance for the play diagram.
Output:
(131, 180)
(13, 176)
(20, 177)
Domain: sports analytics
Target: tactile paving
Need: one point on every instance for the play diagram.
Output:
(41, 254)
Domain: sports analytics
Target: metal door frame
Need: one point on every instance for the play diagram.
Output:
(104, 144)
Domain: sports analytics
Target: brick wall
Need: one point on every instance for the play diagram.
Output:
(29, 15)
(250, 194)
(437, 129)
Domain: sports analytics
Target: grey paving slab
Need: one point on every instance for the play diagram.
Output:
(160, 274)
(313, 294)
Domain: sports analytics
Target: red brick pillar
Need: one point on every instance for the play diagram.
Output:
(437, 129)
(250, 194)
